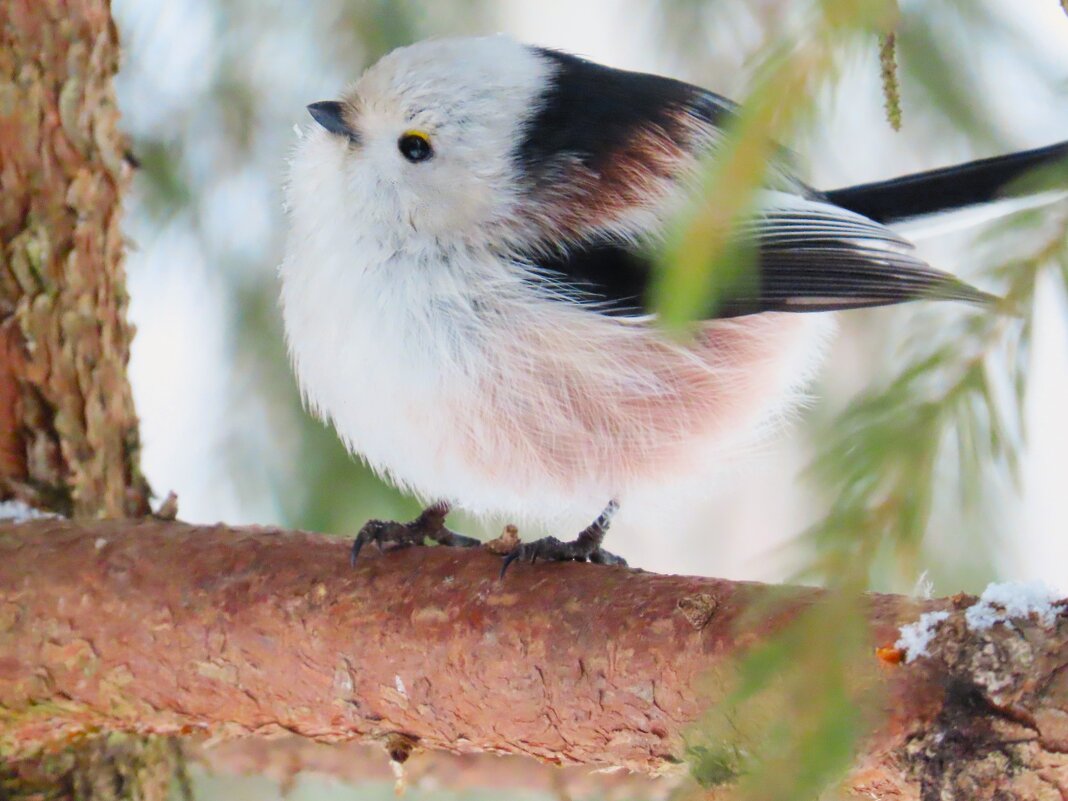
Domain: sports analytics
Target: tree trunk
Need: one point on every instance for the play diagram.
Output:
(164, 627)
(68, 431)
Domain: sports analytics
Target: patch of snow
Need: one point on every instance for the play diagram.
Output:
(1001, 602)
(915, 637)
(19, 512)
(100, 543)
(400, 685)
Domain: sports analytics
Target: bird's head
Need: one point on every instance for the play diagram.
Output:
(489, 141)
(424, 141)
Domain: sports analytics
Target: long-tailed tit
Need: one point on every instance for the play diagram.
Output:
(466, 285)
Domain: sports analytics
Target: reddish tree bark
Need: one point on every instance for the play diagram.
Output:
(165, 627)
(68, 431)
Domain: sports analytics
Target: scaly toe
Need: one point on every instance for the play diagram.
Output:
(550, 549)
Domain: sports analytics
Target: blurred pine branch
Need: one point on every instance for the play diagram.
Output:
(791, 727)
(891, 87)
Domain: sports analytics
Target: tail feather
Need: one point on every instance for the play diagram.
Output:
(948, 188)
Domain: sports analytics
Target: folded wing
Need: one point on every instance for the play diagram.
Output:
(606, 153)
(804, 256)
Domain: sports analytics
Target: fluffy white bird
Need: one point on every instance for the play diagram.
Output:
(472, 232)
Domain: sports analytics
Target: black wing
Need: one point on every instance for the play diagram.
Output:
(601, 143)
(816, 258)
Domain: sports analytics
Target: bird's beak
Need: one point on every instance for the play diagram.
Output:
(328, 114)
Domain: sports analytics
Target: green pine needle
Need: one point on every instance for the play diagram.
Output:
(891, 87)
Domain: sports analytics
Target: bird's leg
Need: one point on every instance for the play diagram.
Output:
(585, 547)
(429, 525)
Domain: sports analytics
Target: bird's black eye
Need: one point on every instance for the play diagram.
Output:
(415, 146)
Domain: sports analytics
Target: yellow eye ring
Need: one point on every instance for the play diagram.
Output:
(415, 146)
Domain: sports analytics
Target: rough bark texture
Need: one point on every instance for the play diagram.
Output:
(68, 431)
(164, 627)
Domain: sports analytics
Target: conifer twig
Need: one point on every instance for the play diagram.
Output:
(891, 86)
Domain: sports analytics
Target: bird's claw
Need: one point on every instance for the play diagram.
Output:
(550, 549)
(376, 531)
(429, 525)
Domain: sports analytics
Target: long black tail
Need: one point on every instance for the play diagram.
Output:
(950, 187)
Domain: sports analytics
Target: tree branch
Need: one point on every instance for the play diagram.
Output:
(165, 627)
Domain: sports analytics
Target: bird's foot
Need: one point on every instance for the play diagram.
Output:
(585, 547)
(551, 549)
(430, 524)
